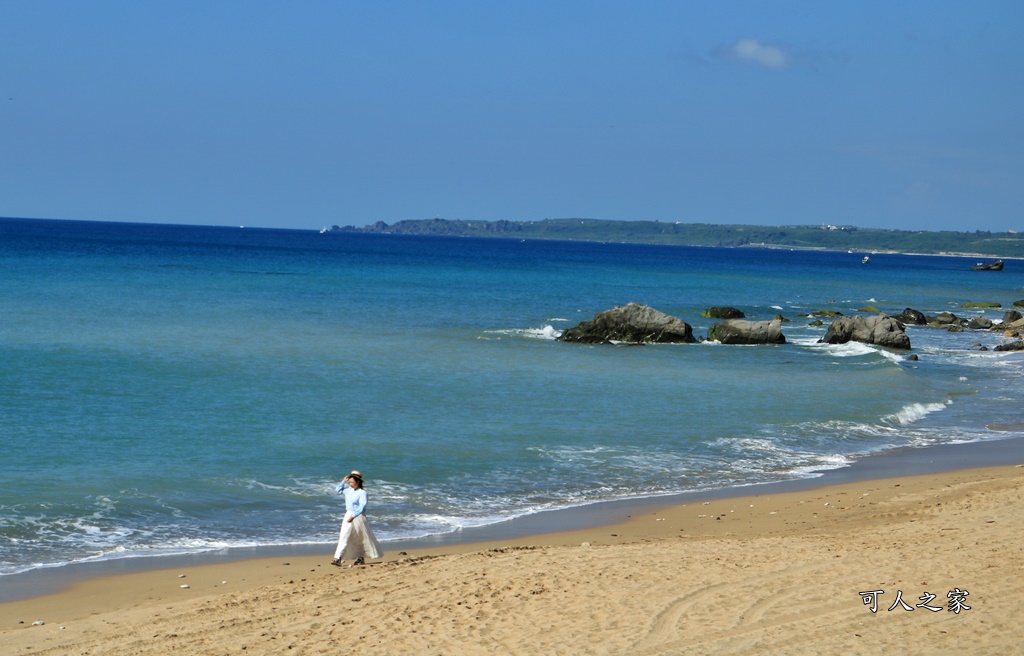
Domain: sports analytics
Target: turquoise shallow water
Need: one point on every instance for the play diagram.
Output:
(166, 389)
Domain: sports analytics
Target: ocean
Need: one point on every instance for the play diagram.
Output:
(170, 389)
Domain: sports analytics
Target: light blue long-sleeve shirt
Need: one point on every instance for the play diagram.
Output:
(355, 500)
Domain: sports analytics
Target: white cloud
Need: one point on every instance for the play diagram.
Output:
(754, 51)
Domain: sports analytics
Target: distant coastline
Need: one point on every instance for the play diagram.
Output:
(1009, 244)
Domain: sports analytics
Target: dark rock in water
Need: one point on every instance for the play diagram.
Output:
(1011, 316)
(630, 323)
(980, 323)
(1012, 346)
(983, 348)
(994, 265)
(816, 322)
(944, 318)
(779, 317)
(1013, 328)
(739, 331)
(981, 304)
(1019, 303)
(723, 312)
(912, 317)
(954, 328)
(912, 358)
(868, 308)
(826, 313)
(881, 330)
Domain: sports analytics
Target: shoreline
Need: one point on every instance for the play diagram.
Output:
(907, 461)
(782, 573)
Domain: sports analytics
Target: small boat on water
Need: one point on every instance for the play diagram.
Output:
(865, 260)
(994, 265)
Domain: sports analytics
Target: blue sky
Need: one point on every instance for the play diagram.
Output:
(298, 114)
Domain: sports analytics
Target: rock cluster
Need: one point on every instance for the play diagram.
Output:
(1011, 325)
(635, 323)
(881, 329)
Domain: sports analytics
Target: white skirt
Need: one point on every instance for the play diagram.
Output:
(356, 540)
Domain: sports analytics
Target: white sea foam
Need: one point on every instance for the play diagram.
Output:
(847, 350)
(768, 459)
(299, 487)
(914, 412)
(889, 355)
(548, 332)
(825, 461)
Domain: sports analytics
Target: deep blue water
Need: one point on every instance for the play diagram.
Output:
(175, 388)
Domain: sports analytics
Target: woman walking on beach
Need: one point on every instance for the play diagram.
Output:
(356, 540)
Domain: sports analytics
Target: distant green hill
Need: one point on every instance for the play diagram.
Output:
(994, 244)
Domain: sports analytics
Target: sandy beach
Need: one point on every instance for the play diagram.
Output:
(780, 573)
